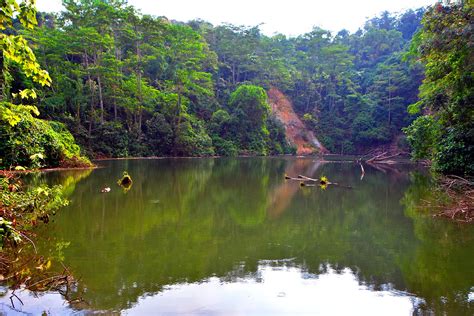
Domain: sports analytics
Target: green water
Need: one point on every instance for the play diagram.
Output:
(232, 236)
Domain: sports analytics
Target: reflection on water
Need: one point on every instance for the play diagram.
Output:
(232, 236)
(279, 290)
(274, 288)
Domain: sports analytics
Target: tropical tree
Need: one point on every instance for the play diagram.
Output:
(444, 46)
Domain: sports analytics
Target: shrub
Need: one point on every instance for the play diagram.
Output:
(111, 139)
(159, 135)
(191, 138)
(35, 143)
(224, 147)
(455, 151)
(422, 136)
(22, 209)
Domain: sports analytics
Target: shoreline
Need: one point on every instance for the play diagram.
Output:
(20, 172)
(321, 158)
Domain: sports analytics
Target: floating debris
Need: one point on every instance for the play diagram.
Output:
(105, 190)
(322, 182)
(125, 182)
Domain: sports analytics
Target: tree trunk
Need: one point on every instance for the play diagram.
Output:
(91, 116)
(101, 101)
(117, 77)
(139, 87)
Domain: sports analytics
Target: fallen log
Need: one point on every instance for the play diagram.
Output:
(294, 179)
(323, 182)
(307, 178)
(383, 158)
(386, 162)
(376, 157)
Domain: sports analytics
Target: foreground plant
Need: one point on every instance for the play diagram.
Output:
(24, 139)
(21, 209)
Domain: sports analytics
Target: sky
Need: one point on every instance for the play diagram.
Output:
(289, 17)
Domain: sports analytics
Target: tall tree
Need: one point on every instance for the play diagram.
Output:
(444, 46)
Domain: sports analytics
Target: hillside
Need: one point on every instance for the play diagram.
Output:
(152, 87)
(296, 132)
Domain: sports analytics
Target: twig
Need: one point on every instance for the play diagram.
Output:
(47, 279)
(11, 299)
(26, 237)
(462, 179)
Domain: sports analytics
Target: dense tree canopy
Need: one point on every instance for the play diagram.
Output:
(445, 132)
(131, 84)
(24, 139)
(128, 84)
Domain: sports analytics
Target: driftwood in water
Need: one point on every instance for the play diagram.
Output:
(294, 179)
(359, 161)
(383, 158)
(307, 178)
(381, 162)
(302, 181)
(323, 182)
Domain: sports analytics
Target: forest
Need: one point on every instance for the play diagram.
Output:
(129, 84)
(102, 80)
(122, 83)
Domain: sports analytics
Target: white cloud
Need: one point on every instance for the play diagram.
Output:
(291, 17)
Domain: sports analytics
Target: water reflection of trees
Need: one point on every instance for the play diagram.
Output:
(188, 220)
(442, 263)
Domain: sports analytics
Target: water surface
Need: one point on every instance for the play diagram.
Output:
(232, 236)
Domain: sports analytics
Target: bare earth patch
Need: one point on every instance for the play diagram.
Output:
(297, 134)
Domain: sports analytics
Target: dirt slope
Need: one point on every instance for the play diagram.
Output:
(296, 132)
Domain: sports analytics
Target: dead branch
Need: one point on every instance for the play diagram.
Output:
(383, 158)
(321, 182)
(461, 193)
(26, 237)
(377, 157)
(362, 170)
(294, 179)
(307, 178)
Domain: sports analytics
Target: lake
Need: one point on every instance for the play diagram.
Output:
(231, 236)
